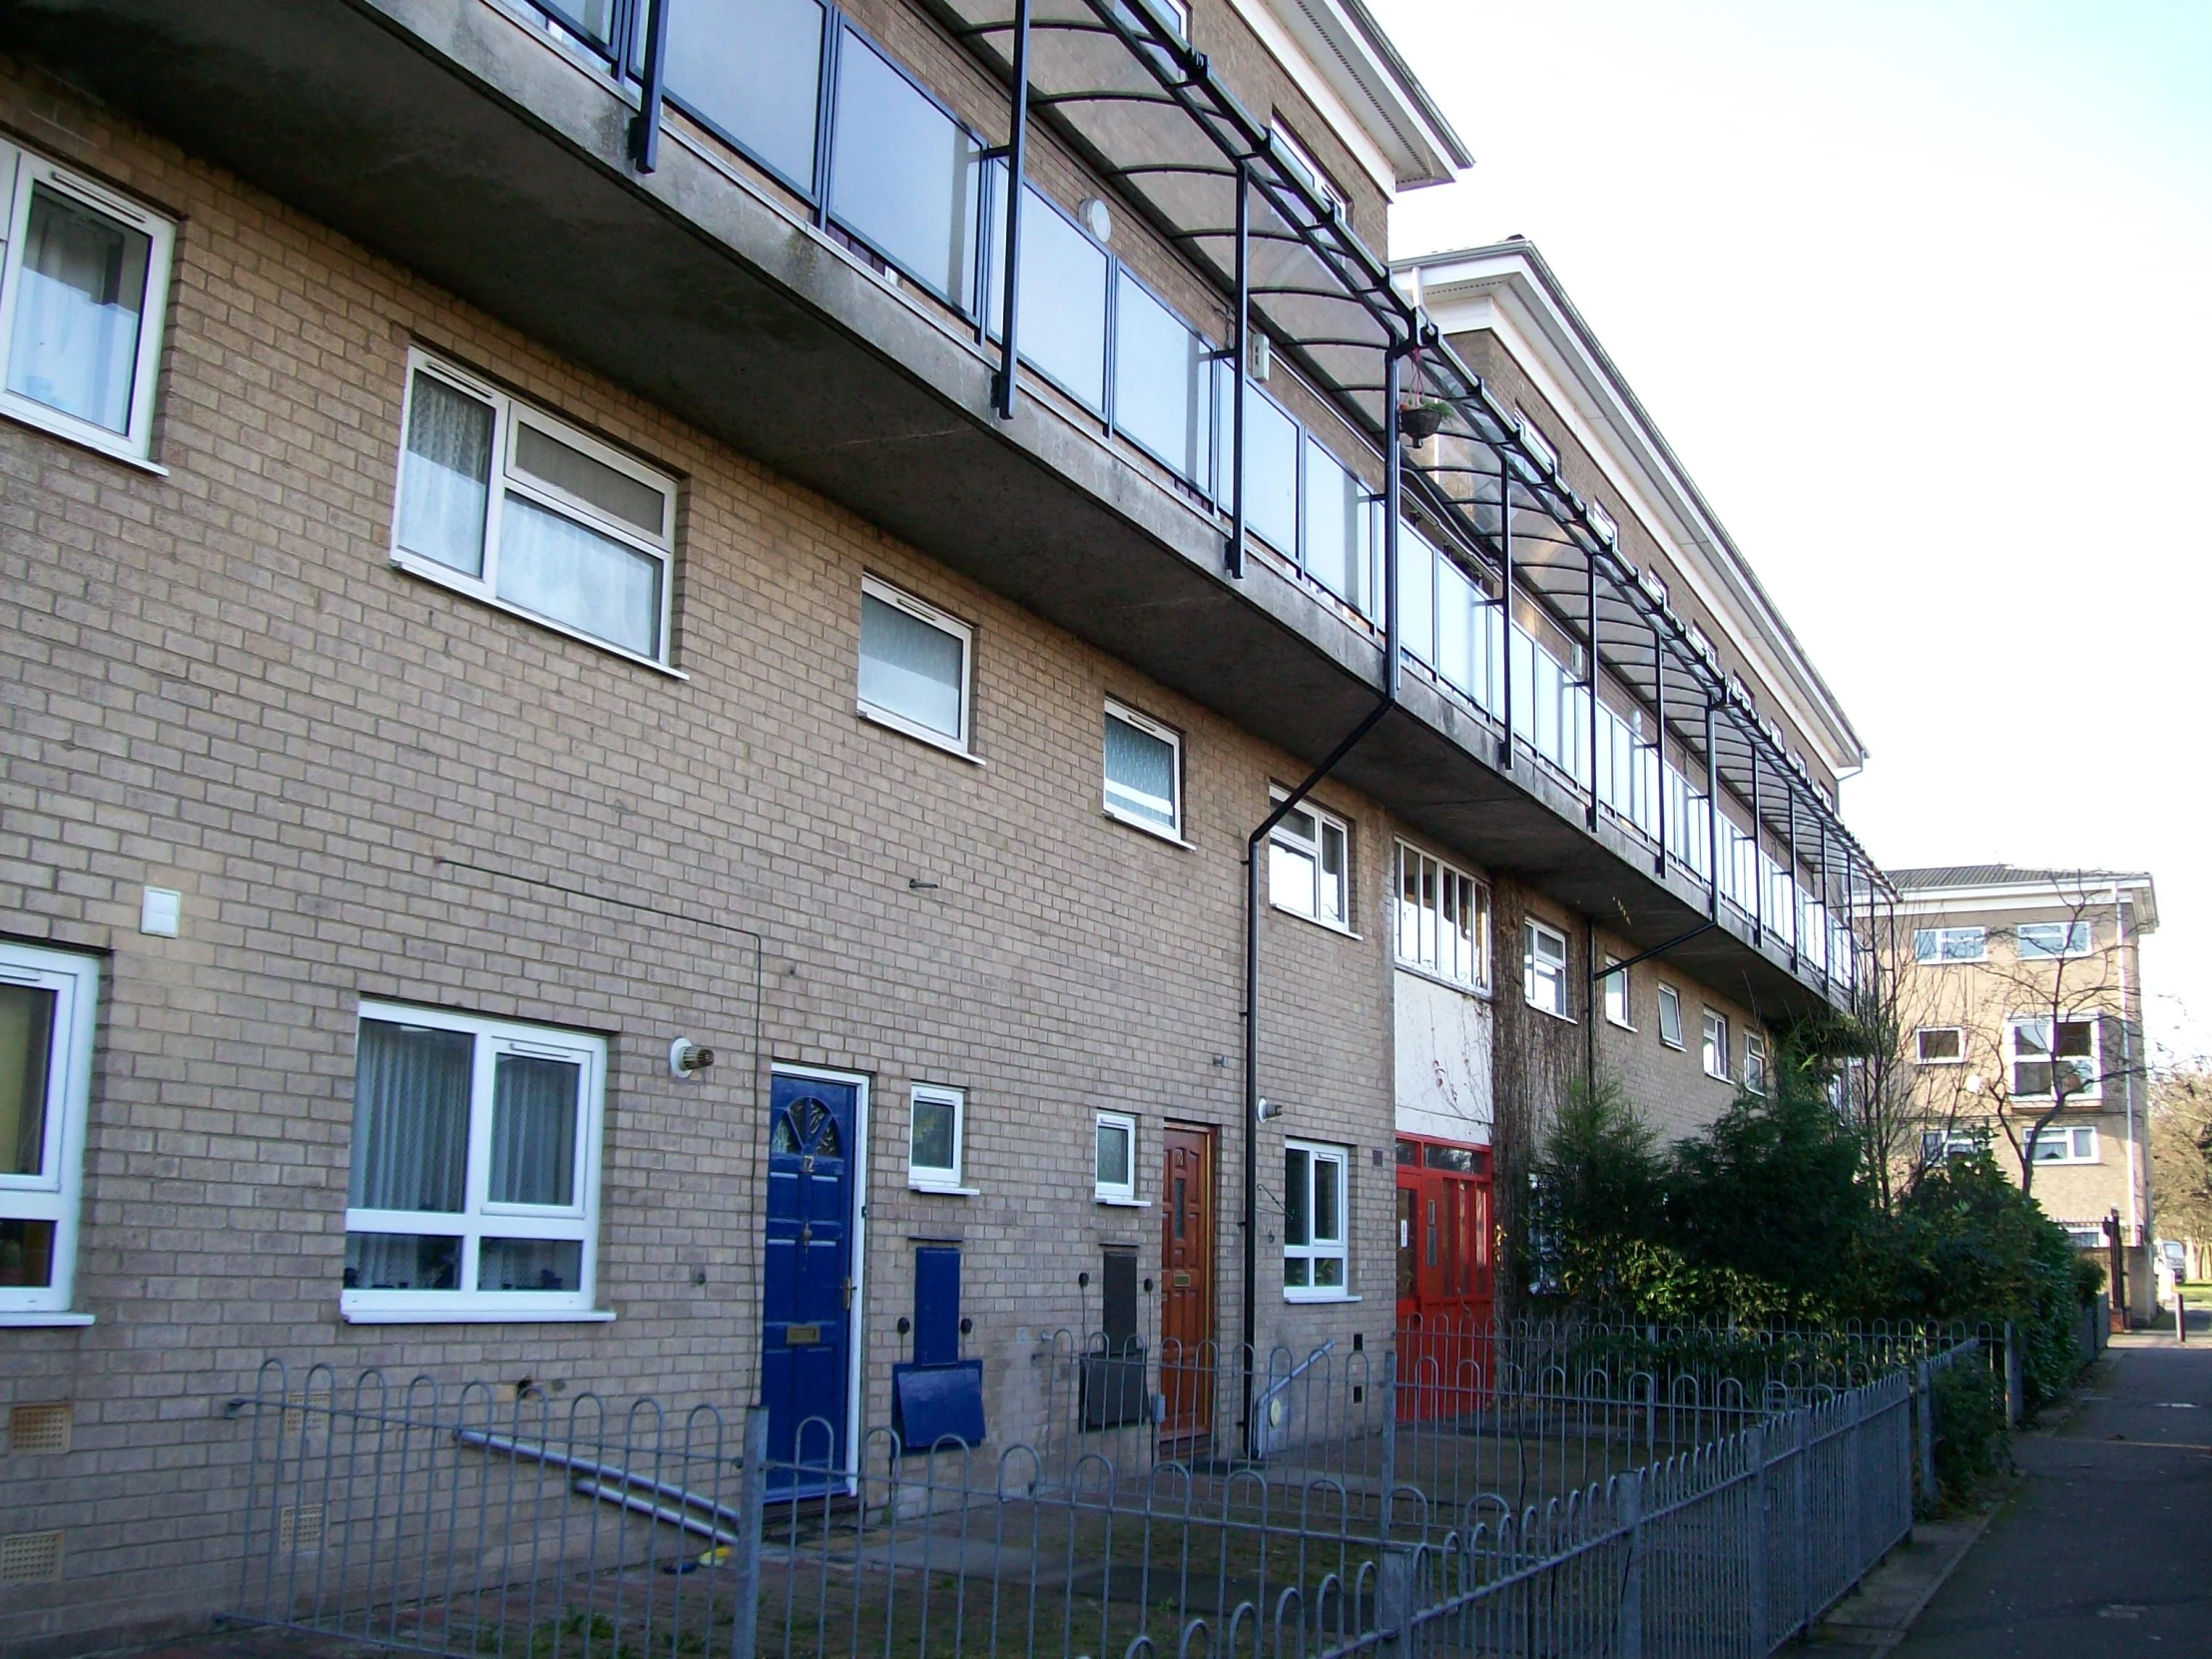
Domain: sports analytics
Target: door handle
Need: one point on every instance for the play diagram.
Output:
(848, 1293)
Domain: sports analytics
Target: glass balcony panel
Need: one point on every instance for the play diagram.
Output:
(1418, 566)
(1336, 527)
(1162, 375)
(1456, 623)
(752, 70)
(1271, 474)
(1063, 293)
(906, 174)
(1522, 666)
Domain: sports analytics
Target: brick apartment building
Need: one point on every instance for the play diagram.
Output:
(2021, 992)
(507, 594)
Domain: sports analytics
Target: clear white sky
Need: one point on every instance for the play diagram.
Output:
(1921, 291)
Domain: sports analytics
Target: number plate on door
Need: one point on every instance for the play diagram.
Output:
(802, 1335)
(1182, 1281)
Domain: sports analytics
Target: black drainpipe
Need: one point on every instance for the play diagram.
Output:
(1259, 839)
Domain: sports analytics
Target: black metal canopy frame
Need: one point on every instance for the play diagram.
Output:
(1115, 83)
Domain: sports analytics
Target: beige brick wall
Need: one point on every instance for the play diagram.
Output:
(367, 785)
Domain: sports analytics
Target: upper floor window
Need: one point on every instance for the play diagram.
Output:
(1949, 945)
(1443, 919)
(474, 1191)
(1173, 13)
(1716, 1045)
(1143, 772)
(1939, 1045)
(83, 287)
(1309, 865)
(1616, 994)
(1754, 1062)
(2053, 938)
(47, 1005)
(1670, 1016)
(914, 666)
(504, 502)
(1302, 166)
(2061, 1144)
(1545, 968)
(2045, 1053)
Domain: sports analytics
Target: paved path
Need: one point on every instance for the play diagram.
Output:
(2104, 1549)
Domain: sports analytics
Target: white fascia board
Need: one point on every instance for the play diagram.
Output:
(1501, 294)
(1332, 63)
(2035, 895)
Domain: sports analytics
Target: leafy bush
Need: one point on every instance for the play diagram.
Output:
(1970, 1426)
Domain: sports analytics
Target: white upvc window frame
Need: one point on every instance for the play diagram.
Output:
(1940, 1147)
(2069, 933)
(1754, 1063)
(1920, 1056)
(55, 1192)
(1716, 1053)
(1148, 727)
(479, 1217)
(1619, 995)
(1114, 1192)
(21, 172)
(506, 476)
(1332, 910)
(1938, 951)
(2061, 1143)
(1299, 161)
(931, 1178)
(1421, 943)
(1318, 1250)
(1670, 1002)
(1538, 972)
(875, 587)
(2014, 1059)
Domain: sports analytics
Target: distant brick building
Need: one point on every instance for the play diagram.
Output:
(486, 621)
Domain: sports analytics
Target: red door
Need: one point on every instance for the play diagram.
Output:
(1444, 1275)
(1187, 1281)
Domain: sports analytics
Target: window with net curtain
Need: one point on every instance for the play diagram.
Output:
(472, 1168)
(913, 666)
(1143, 771)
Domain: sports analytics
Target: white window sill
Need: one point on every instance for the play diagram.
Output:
(920, 734)
(1124, 1203)
(476, 1316)
(1718, 1077)
(1677, 1047)
(943, 1190)
(29, 417)
(22, 1318)
(1550, 1013)
(429, 570)
(1619, 1024)
(1320, 1296)
(1436, 978)
(1152, 830)
(1336, 927)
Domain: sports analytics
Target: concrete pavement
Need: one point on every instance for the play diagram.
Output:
(2103, 1549)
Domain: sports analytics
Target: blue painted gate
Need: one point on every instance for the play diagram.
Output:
(806, 1310)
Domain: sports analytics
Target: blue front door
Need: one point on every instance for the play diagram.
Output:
(806, 1311)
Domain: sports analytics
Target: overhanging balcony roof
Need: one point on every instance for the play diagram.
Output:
(454, 138)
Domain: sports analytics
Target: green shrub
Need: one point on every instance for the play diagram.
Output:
(1971, 1434)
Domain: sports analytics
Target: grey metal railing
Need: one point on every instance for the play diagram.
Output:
(1574, 1489)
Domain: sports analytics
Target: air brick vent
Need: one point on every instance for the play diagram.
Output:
(42, 1427)
(31, 1559)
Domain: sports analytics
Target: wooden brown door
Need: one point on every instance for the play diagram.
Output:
(1186, 1351)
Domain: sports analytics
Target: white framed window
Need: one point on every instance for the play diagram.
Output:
(1670, 1016)
(1114, 1176)
(1716, 1045)
(83, 290)
(1951, 944)
(474, 1192)
(1616, 994)
(2061, 1144)
(916, 666)
(1301, 165)
(1938, 1147)
(1545, 968)
(936, 1136)
(1316, 1258)
(48, 1003)
(1754, 1062)
(1939, 1045)
(1143, 772)
(510, 505)
(1173, 13)
(1309, 865)
(1443, 919)
(2041, 1051)
(2052, 938)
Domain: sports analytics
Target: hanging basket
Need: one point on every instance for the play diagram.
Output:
(1418, 422)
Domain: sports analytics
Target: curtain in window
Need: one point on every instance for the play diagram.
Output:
(533, 1130)
(445, 483)
(1140, 774)
(26, 1041)
(411, 1118)
(910, 668)
(530, 1265)
(76, 316)
(563, 570)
